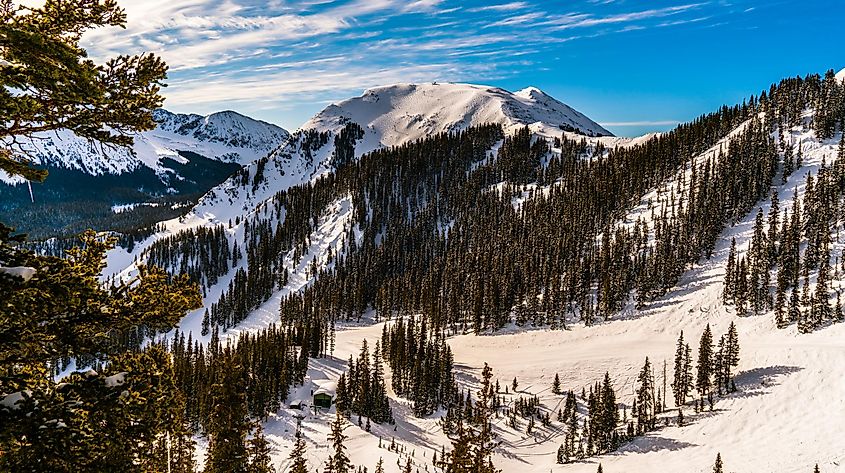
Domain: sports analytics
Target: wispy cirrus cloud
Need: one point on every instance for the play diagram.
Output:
(265, 54)
(501, 7)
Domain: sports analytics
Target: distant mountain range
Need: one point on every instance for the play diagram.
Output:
(92, 185)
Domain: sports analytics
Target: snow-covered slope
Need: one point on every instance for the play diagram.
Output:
(224, 136)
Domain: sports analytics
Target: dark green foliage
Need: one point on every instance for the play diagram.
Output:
(704, 374)
(718, 468)
(41, 57)
(473, 442)
(297, 454)
(646, 402)
(363, 391)
(338, 462)
(227, 425)
(266, 361)
(259, 452)
(421, 366)
(682, 381)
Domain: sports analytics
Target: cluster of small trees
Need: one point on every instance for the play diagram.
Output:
(775, 248)
(714, 369)
(202, 253)
(473, 439)
(421, 365)
(599, 430)
(361, 390)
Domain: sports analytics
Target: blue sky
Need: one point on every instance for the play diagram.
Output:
(633, 66)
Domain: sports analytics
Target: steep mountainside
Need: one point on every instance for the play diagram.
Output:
(391, 116)
(171, 165)
(578, 256)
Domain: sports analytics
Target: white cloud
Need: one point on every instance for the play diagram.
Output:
(585, 20)
(502, 7)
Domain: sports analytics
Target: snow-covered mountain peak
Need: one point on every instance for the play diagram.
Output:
(532, 93)
(841, 75)
(391, 115)
(225, 136)
(228, 128)
(400, 113)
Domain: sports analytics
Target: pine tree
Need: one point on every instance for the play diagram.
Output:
(483, 441)
(645, 398)
(228, 424)
(730, 275)
(731, 352)
(297, 455)
(259, 452)
(556, 385)
(705, 362)
(717, 468)
(338, 462)
(56, 85)
(380, 464)
(680, 385)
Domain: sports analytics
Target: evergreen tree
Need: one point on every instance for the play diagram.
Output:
(717, 468)
(730, 275)
(228, 425)
(731, 353)
(57, 86)
(297, 455)
(259, 452)
(338, 462)
(705, 363)
(680, 382)
(645, 398)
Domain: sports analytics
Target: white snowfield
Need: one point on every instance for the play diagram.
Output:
(786, 417)
(224, 136)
